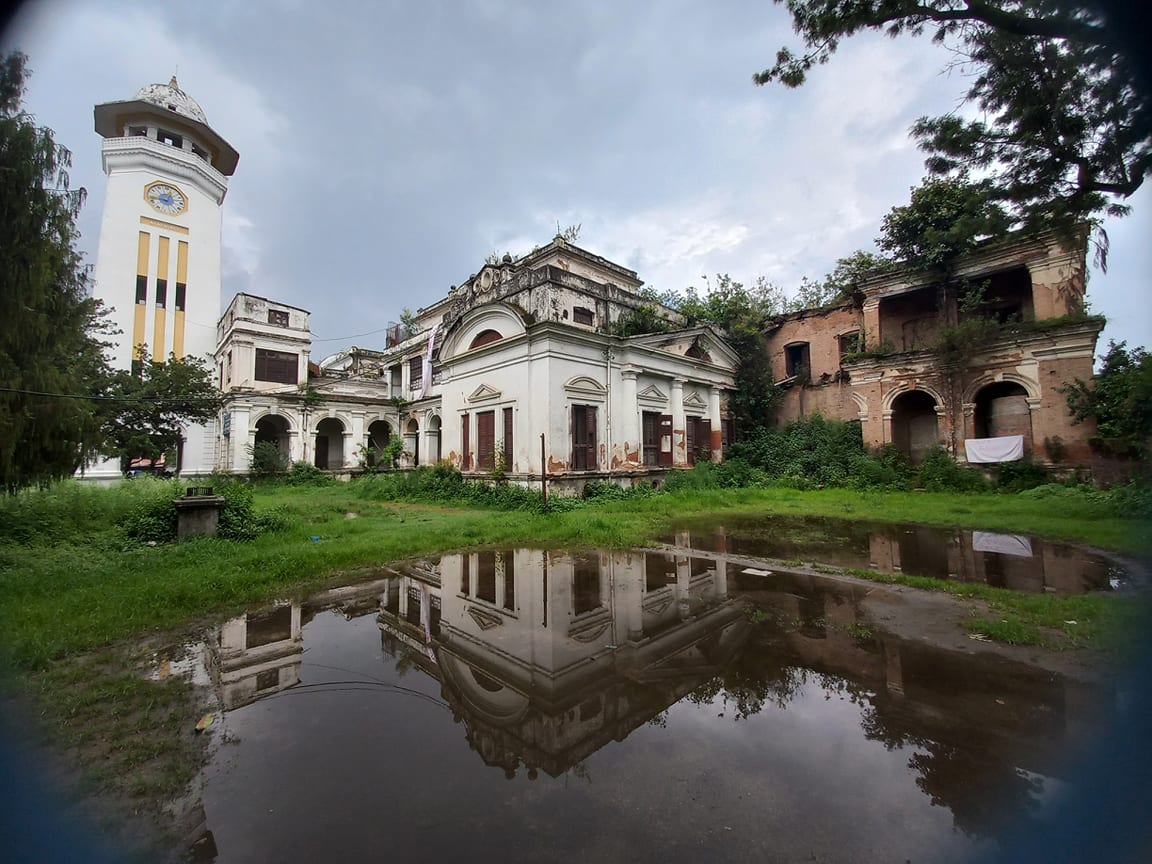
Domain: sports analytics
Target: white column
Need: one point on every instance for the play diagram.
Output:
(238, 458)
(714, 422)
(679, 424)
(630, 412)
(350, 448)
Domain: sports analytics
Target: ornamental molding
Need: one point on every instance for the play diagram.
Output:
(652, 395)
(693, 400)
(171, 162)
(585, 387)
(484, 393)
(484, 619)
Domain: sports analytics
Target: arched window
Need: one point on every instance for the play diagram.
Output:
(485, 337)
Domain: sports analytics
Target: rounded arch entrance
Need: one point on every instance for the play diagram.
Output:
(274, 429)
(412, 439)
(1000, 409)
(329, 444)
(915, 427)
(433, 437)
(379, 437)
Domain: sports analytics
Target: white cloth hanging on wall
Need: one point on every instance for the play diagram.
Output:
(1006, 448)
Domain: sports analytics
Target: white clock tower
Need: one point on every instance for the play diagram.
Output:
(158, 261)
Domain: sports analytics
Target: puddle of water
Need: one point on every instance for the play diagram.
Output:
(1016, 561)
(531, 705)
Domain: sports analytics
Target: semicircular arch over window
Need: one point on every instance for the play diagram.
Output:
(486, 337)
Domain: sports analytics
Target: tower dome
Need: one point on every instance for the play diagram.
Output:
(171, 97)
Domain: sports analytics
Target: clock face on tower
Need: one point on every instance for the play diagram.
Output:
(165, 198)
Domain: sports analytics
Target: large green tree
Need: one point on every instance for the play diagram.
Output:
(51, 354)
(1063, 127)
(1119, 399)
(147, 412)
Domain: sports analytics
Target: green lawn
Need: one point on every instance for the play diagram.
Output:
(69, 581)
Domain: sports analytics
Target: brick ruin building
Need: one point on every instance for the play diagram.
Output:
(881, 359)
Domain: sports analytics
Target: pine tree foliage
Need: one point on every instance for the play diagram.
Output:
(49, 328)
(1063, 126)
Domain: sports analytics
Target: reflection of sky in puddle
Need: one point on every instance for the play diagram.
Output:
(1003, 560)
(621, 705)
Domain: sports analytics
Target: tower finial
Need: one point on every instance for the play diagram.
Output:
(173, 83)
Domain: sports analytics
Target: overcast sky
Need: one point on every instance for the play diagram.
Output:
(386, 148)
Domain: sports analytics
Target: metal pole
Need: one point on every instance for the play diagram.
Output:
(543, 470)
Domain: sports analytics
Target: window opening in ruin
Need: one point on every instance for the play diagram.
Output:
(162, 293)
(141, 289)
(848, 343)
(584, 438)
(199, 152)
(796, 359)
(278, 317)
(279, 367)
(166, 137)
(138, 131)
(580, 315)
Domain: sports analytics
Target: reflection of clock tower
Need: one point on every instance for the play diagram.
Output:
(158, 264)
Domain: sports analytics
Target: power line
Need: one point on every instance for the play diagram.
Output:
(150, 399)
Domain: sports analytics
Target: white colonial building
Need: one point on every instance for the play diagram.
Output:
(158, 260)
(516, 371)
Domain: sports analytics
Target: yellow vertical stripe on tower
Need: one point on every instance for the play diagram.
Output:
(161, 301)
(181, 298)
(141, 301)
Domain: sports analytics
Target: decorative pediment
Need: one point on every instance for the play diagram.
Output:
(585, 387)
(694, 400)
(484, 393)
(653, 395)
(484, 618)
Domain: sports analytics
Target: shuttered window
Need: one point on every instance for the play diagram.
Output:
(277, 366)
(584, 438)
(507, 439)
(486, 440)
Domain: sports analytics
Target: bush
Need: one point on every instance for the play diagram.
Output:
(1020, 475)
(267, 460)
(939, 472)
(154, 520)
(813, 452)
(306, 474)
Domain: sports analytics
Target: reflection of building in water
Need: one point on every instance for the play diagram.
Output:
(986, 728)
(1002, 560)
(547, 656)
(257, 654)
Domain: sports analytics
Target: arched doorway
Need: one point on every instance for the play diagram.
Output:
(1002, 409)
(412, 440)
(434, 439)
(379, 435)
(914, 424)
(330, 443)
(273, 429)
